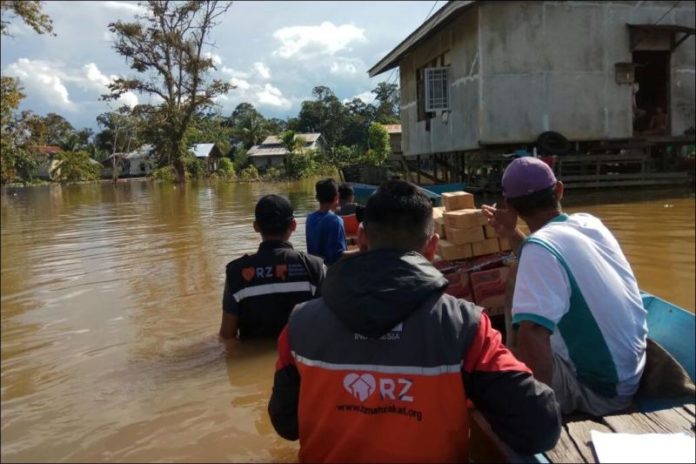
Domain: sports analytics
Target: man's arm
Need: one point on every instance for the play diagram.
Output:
(521, 411)
(534, 349)
(230, 313)
(229, 325)
(285, 398)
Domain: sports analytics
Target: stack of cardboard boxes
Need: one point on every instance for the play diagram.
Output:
(480, 274)
(464, 230)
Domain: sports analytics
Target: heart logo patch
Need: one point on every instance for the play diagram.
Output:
(360, 386)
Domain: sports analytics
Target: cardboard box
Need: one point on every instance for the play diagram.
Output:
(485, 247)
(468, 235)
(489, 289)
(504, 244)
(438, 211)
(451, 252)
(440, 227)
(459, 285)
(490, 232)
(453, 201)
(465, 218)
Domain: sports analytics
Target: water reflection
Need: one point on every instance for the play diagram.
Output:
(111, 300)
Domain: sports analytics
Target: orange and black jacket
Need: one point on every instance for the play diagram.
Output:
(382, 366)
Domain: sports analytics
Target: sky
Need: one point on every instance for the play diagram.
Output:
(274, 52)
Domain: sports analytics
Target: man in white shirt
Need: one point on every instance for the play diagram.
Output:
(581, 323)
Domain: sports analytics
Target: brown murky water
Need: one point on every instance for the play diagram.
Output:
(111, 302)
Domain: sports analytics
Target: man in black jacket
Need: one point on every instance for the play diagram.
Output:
(261, 289)
(381, 368)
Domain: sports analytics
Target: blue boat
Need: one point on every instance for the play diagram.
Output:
(363, 191)
(671, 327)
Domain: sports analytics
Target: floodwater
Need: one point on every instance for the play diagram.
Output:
(111, 302)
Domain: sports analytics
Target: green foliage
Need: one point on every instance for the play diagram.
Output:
(272, 174)
(299, 165)
(196, 168)
(387, 97)
(248, 125)
(29, 11)
(17, 157)
(75, 166)
(249, 174)
(166, 47)
(225, 169)
(241, 158)
(380, 149)
(164, 174)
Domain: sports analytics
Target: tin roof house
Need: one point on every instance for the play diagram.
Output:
(272, 153)
(481, 73)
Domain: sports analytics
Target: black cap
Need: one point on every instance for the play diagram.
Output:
(273, 213)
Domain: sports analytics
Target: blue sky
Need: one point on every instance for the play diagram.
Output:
(275, 52)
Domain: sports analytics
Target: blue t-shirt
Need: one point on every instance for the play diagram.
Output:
(325, 236)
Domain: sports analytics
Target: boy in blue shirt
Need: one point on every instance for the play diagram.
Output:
(326, 236)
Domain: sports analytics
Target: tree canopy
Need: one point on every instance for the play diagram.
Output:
(166, 49)
(29, 11)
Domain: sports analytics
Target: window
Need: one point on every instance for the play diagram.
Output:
(436, 89)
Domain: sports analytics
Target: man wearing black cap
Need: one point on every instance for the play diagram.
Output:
(261, 289)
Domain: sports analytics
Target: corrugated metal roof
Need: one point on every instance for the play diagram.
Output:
(141, 152)
(275, 140)
(48, 149)
(259, 150)
(202, 150)
(429, 27)
(393, 128)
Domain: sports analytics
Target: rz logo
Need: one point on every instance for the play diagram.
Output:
(362, 387)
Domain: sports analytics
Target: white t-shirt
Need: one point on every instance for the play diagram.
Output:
(574, 280)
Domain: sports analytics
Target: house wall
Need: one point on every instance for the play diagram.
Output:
(265, 162)
(522, 68)
(460, 129)
(550, 66)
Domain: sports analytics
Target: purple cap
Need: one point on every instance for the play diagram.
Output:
(527, 175)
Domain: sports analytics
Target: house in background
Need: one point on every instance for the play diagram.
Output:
(209, 153)
(141, 162)
(394, 131)
(47, 155)
(480, 74)
(272, 153)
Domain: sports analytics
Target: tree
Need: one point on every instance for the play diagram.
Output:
(29, 11)
(17, 160)
(52, 129)
(248, 124)
(76, 166)
(326, 115)
(380, 149)
(167, 46)
(387, 97)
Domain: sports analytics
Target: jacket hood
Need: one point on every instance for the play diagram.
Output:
(372, 292)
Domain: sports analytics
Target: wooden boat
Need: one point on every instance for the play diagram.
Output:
(363, 191)
(673, 329)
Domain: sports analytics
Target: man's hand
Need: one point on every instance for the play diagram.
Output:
(504, 221)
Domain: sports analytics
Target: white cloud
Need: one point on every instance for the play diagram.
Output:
(48, 80)
(235, 73)
(272, 96)
(98, 81)
(346, 66)
(366, 97)
(43, 79)
(262, 70)
(217, 61)
(305, 42)
(240, 84)
(128, 7)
